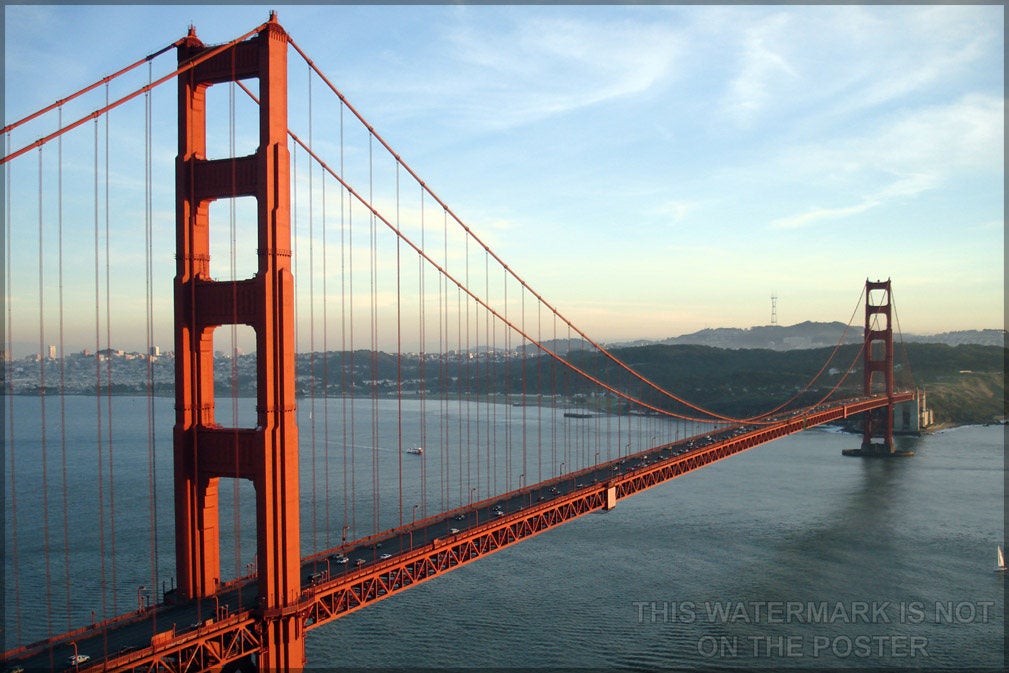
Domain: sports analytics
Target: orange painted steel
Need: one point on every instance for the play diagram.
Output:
(337, 597)
(204, 451)
(215, 643)
(878, 360)
(209, 646)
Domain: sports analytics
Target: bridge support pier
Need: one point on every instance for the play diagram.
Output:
(267, 454)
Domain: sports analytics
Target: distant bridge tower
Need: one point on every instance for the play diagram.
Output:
(877, 364)
(266, 454)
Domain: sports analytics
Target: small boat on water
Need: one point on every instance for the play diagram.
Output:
(416, 451)
(999, 559)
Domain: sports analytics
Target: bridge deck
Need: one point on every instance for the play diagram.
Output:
(385, 564)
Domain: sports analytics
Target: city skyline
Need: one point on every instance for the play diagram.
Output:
(650, 170)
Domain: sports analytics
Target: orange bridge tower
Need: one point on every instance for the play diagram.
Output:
(877, 371)
(266, 454)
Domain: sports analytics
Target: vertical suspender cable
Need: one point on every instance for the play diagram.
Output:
(63, 400)
(463, 350)
(98, 391)
(491, 332)
(311, 322)
(541, 398)
(443, 480)
(149, 327)
(443, 453)
(42, 408)
(8, 366)
(570, 389)
(444, 338)
(325, 367)
(505, 380)
(525, 420)
(108, 361)
(462, 384)
(422, 375)
(488, 355)
(352, 372)
(346, 383)
(900, 338)
(373, 325)
(553, 407)
(494, 371)
(399, 353)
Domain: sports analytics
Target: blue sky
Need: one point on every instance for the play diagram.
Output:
(650, 170)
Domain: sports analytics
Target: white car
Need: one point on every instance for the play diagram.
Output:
(77, 659)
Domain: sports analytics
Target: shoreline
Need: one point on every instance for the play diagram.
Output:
(932, 429)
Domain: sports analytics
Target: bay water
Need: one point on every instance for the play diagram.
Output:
(787, 556)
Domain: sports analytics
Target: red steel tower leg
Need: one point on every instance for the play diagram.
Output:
(267, 454)
(877, 358)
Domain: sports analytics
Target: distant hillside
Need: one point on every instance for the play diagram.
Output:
(964, 383)
(815, 335)
(984, 337)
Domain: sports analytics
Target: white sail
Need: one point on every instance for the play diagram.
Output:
(999, 559)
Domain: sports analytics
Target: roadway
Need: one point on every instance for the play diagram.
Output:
(133, 632)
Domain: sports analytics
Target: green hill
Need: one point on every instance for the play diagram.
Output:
(964, 384)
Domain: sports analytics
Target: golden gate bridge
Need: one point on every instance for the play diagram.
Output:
(485, 426)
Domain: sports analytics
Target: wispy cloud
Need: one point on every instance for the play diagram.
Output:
(675, 211)
(914, 153)
(527, 68)
(840, 61)
(820, 214)
(764, 66)
(905, 186)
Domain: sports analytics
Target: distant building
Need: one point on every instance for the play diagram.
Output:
(155, 351)
(52, 352)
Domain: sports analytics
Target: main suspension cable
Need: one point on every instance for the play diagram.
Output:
(185, 67)
(809, 384)
(900, 334)
(713, 416)
(105, 80)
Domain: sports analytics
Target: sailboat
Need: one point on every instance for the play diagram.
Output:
(999, 559)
